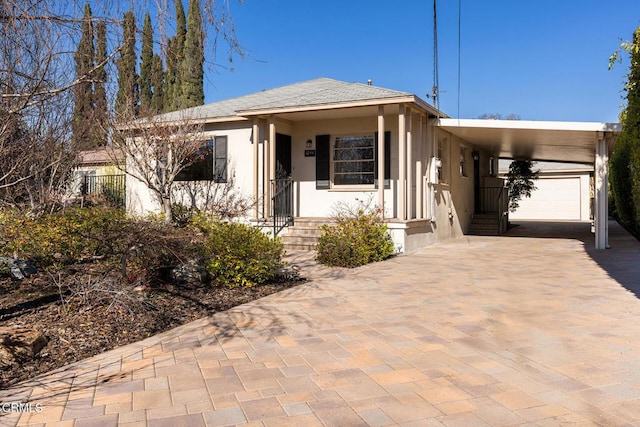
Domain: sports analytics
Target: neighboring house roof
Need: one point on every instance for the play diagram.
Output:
(313, 94)
(100, 156)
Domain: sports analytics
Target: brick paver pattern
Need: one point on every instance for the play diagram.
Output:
(476, 331)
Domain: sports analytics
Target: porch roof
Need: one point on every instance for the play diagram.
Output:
(535, 140)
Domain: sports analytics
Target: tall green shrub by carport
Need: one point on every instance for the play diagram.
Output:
(625, 159)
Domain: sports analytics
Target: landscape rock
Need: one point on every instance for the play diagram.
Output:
(18, 268)
(18, 344)
(290, 273)
(190, 272)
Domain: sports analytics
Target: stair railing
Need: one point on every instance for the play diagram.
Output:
(281, 204)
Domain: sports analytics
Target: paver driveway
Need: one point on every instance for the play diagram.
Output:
(477, 331)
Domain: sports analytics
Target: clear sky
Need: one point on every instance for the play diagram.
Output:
(541, 60)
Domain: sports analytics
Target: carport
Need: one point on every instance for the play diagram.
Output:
(573, 142)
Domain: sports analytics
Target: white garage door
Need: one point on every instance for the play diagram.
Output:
(554, 198)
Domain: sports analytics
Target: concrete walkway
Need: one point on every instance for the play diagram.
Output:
(479, 331)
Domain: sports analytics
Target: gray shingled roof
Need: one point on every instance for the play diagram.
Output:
(315, 92)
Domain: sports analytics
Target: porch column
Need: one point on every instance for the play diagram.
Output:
(381, 176)
(402, 162)
(409, 163)
(271, 169)
(255, 138)
(418, 177)
(601, 208)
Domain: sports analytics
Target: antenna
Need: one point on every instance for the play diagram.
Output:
(435, 90)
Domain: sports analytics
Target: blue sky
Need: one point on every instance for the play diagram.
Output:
(542, 60)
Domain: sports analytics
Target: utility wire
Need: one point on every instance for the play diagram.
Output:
(459, 50)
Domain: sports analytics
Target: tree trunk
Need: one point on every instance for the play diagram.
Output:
(166, 209)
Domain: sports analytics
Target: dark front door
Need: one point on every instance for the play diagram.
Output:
(282, 186)
(283, 156)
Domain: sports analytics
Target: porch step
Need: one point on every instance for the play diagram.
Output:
(484, 225)
(304, 234)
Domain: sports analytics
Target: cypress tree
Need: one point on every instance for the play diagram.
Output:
(83, 96)
(127, 100)
(146, 65)
(100, 93)
(191, 70)
(157, 81)
(175, 55)
(170, 78)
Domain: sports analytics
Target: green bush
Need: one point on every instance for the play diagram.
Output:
(64, 236)
(136, 248)
(354, 241)
(237, 254)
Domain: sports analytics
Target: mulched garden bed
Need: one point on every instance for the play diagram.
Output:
(76, 330)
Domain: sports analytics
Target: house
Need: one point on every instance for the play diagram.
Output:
(564, 192)
(300, 150)
(100, 171)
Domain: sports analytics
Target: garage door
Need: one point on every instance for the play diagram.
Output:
(554, 198)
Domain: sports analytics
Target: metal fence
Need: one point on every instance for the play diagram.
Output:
(111, 187)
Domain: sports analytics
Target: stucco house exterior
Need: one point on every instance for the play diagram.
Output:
(341, 142)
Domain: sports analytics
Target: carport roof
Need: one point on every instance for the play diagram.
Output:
(536, 140)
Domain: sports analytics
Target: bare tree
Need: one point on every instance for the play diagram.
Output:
(37, 77)
(156, 151)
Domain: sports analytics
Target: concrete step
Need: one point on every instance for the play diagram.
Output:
(484, 225)
(304, 234)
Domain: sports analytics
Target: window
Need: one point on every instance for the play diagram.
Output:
(463, 162)
(354, 160)
(209, 162)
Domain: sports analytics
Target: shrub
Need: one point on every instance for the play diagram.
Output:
(237, 254)
(134, 247)
(65, 236)
(354, 241)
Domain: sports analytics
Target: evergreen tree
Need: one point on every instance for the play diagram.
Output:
(146, 65)
(190, 68)
(83, 100)
(100, 93)
(625, 159)
(127, 100)
(175, 55)
(157, 81)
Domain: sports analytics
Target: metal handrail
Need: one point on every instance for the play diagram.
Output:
(282, 204)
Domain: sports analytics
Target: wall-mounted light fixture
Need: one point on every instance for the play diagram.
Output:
(309, 143)
(476, 155)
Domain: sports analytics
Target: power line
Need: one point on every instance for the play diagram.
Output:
(459, 50)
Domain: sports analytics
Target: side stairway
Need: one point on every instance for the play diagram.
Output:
(485, 224)
(304, 234)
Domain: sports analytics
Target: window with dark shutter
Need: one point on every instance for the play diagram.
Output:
(323, 161)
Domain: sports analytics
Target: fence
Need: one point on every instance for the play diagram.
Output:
(111, 187)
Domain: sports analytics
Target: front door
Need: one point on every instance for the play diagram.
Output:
(283, 187)
(283, 156)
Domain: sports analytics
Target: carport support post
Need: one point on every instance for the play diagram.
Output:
(381, 176)
(602, 203)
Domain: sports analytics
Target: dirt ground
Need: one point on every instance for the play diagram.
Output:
(77, 328)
